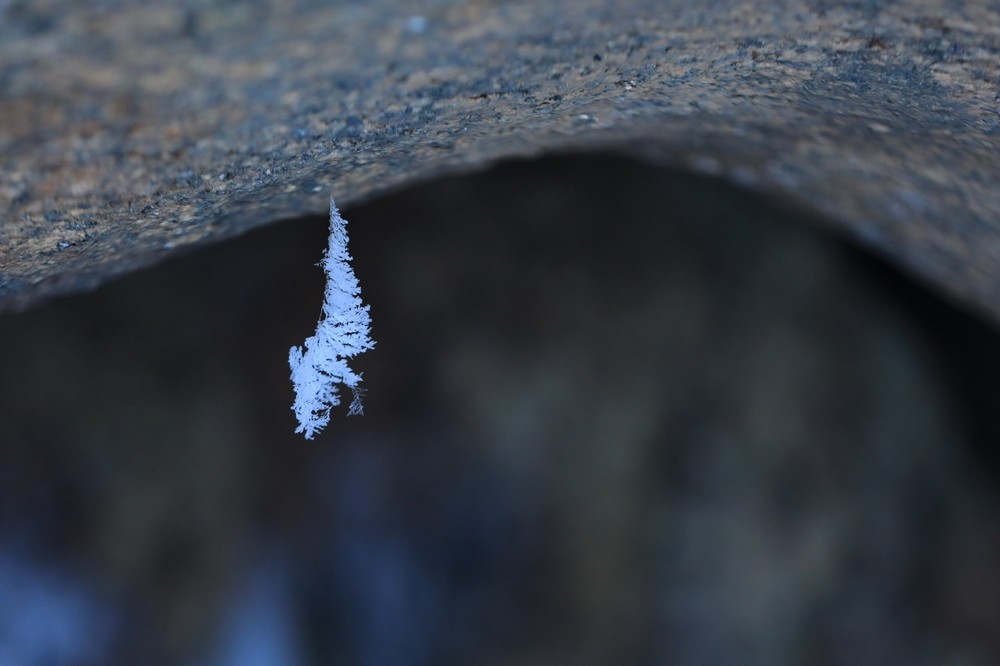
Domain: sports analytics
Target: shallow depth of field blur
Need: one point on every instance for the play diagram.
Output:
(615, 415)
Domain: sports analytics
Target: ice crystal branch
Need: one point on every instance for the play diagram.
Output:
(342, 333)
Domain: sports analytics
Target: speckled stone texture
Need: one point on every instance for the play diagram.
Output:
(129, 131)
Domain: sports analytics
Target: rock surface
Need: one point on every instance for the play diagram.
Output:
(130, 131)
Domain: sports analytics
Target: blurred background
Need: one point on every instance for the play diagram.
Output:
(615, 415)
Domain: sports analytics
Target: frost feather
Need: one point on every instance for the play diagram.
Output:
(343, 332)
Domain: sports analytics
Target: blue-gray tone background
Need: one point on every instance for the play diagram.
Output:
(616, 415)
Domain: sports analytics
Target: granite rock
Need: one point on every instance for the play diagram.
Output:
(130, 131)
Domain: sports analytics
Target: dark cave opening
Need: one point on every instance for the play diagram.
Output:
(614, 411)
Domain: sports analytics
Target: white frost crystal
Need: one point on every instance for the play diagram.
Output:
(342, 332)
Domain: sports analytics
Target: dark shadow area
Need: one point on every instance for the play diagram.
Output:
(615, 415)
